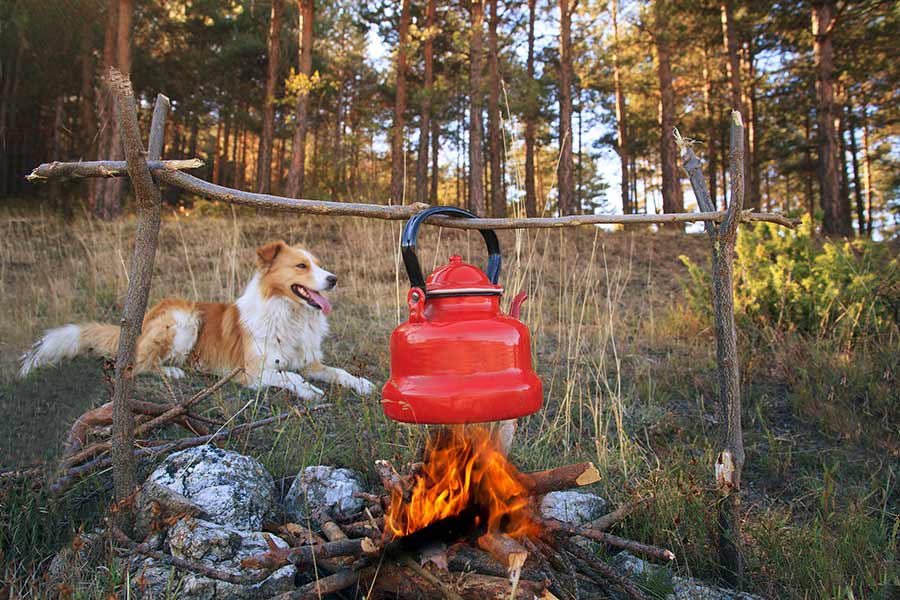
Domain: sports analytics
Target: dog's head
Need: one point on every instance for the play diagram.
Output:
(292, 272)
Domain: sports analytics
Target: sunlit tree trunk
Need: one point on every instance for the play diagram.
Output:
(476, 157)
(294, 187)
(435, 169)
(566, 181)
(398, 157)
(425, 116)
(712, 128)
(837, 219)
(621, 115)
(671, 189)
(867, 168)
(751, 168)
(264, 167)
(530, 120)
(497, 199)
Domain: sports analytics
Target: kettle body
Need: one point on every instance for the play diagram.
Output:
(458, 358)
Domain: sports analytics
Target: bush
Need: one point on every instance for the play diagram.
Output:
(786, 279)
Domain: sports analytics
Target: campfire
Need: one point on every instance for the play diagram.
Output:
(464, 473)
(463, 523)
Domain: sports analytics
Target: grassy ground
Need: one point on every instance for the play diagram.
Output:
(629, 381)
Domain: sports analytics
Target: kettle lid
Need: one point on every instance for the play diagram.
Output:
(460, 279)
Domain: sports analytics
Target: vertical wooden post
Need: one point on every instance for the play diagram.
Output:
(141, 272)
(158, 128)
(730, 460)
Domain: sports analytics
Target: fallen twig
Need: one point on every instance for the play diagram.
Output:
(608, 538)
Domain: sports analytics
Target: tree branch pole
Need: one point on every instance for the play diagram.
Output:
(140, 275)
(170, 172)
(730, 460)
(157, 137)
(103, 168)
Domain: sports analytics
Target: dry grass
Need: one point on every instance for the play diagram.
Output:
(628, 373)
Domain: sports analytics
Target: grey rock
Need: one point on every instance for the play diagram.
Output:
(574, 508)
(324, 489)
(682, 588)
(687, 588)
(217, 546)
(230, 488)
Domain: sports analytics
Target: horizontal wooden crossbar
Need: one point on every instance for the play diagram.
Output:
(169, 172)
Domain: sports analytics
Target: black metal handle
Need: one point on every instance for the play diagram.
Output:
(411, 230)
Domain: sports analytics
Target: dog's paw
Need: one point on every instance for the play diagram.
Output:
(364, 387)
(307, 391)
(173, 372)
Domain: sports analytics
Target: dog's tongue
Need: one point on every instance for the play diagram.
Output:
(321, 301)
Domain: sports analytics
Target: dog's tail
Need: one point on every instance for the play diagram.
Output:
(68, 342)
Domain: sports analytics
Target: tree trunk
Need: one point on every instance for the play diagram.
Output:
(566, 183)
(836, 220)
(671, 189)
(425, 118)
(621, 115)
(867, 168)
(842, 159)
(264, 168)
(854, 158)
(712, 129)
(301, 125)
(476, 157)
(497, 200)
(808, 167)
(87, 120)
(752, 169)
(435, 168)
(106, 109)
(398, 157)
(530, 120)
(731, 46)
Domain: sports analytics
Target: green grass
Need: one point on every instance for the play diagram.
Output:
(628, 369)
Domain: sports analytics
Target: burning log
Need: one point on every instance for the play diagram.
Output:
(563, 478)
(508, 551)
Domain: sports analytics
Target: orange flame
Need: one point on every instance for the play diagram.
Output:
(464, 468)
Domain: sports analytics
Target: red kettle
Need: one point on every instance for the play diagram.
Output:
(458, 359)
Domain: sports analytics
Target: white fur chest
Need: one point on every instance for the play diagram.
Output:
(283, 334)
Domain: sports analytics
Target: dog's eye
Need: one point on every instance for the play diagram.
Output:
(302, 266)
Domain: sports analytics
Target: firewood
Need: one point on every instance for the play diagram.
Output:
(608, 520)
(473, 585)
(463, 557)
(595, 564)
(563, 478)
(508, 551)
(181, 563)
(363, 529)
(303, 555)
(315, 590)
(612, 540)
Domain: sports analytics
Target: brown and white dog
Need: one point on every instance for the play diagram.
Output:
(274, 331)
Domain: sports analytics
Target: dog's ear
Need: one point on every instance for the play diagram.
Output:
(266, 255)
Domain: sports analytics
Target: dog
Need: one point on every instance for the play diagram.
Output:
(274, 331)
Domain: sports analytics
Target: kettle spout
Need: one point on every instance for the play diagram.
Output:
(515, 307)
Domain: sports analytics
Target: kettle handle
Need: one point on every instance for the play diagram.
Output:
(411, 230)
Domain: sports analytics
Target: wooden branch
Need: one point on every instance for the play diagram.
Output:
(158, 128)
(563, 478)
(103, 168)
(595, 564)
(316, 590)
(691, 165)
(163, 413)
(181, 563)
(608, 520)
(76, 473)
(304, 555)
(140, 275)
(730, 460)
(509, 552)
(171, 173)
(608, 538)
(728, 229)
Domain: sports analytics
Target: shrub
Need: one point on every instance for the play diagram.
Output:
(786, 279)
